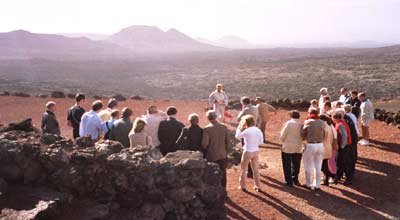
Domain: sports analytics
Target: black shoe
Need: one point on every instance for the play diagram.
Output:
(347, 183)
(297, 183)
(335, 181)
(250, 176)
(326, 183)
(289, 184)
(317, 189)
(307, 187)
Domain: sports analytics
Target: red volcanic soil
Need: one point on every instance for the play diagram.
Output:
(374, 194)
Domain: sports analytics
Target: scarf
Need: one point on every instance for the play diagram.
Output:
(313, 116)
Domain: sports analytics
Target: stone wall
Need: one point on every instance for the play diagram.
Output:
(110, 182)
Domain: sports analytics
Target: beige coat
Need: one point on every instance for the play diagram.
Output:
(140, 139)
(249, 110)
(328, 141)
(291, 136)
(265, 109)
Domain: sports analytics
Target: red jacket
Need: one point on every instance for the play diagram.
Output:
(339, 138)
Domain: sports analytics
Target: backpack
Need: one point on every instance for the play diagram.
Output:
(107, 134)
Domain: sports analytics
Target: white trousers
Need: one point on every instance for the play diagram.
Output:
(220, 110)
(312, 158)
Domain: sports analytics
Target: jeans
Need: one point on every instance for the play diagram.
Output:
(312, 158)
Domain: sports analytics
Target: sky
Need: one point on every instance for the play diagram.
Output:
(259, 21)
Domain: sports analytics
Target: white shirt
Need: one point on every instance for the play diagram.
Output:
(220, 97)
(321, 104)
(367, 110)
(109, 123)
(253, 138)
(153, 123)
(91, 125)
(343, 99)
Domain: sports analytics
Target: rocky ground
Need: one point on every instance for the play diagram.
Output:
(373, 195)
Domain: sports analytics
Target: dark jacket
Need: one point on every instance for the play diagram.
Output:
(353, 130)
(74, 117)
(355, 103)
(190, 138)
(50, 123)
(168, 133)
(120, 131)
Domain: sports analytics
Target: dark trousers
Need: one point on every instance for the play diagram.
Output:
(75, 132)
(222, 165)
(291, 167)
(344, 163)
(325, 170)
(353, 157)
(249, 170)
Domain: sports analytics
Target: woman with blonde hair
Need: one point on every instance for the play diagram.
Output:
(253, 138)
(138, 135)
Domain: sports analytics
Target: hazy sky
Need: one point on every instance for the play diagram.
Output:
(259, 21)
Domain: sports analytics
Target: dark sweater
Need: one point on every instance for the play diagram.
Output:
(50, 123)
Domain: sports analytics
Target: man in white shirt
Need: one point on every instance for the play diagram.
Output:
(367, 116)
(153, 119)
(91, 124)
(219, 100)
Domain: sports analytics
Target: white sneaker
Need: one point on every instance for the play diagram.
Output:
(365, 143)
(361, 141)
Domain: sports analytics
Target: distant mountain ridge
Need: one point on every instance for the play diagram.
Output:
(133, 41)
(153, 39)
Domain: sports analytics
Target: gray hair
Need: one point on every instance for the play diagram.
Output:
(211, 115)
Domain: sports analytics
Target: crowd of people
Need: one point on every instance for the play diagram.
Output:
(326, 140)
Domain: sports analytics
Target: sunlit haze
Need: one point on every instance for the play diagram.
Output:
(259, 21)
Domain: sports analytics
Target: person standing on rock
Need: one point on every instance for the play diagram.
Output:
(169, 131)
(49, 120)
(264, 110)
(122, 127)
(105, 114)
(248, 109)
(138, 136)
(322, 99)
(191, 136)
(314, 132)
(292, 148)
(219, 100)
(367, 116)
(91, 124)
(215, 142)
(153, 119)
(75, 114)
(253, 138)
